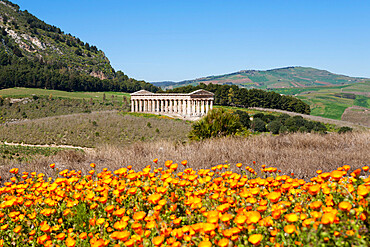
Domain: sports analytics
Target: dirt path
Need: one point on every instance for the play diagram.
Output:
(47, 146)
(59, 116)
(316, 118)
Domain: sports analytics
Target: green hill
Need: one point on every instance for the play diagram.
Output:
(289, 77)
(36, 54)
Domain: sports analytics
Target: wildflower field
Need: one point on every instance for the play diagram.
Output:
(162, 207)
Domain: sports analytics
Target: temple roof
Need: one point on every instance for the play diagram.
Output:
(142, 92)
(199, 92)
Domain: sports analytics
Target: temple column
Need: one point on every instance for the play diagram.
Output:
(188, 102)
(170, 110)
(140, 105)
(165, 105)
(202, 107)
(132, 106)
(194, 107)
(198, 107)
(136, 105)
(157, 108)
(175, 105)
(211, 104)
(184, 107)
(207, 106)
(179, 106)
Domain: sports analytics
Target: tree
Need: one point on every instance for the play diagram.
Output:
(244, 118)
(216, 123)
(258, 125)
(274, 127)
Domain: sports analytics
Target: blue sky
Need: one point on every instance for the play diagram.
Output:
(157, 40)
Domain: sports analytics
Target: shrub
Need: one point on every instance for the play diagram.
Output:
(344, 129)
(283, 129)
(244, 118)
(320, 127)
(274, 126)
(258, 125)
(216, 123)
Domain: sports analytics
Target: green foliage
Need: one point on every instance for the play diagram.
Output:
(244, 118)
(285, 123)
(274, 126)
(216, 123)
(344, 129)
(258, 125)
(227, 95)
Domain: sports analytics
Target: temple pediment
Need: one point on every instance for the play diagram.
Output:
(202, 92)
(142, 92)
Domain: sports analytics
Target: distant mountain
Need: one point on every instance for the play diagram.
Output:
(270, 79)
(36, 54)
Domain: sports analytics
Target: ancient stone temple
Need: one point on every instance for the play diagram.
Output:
(186, 105)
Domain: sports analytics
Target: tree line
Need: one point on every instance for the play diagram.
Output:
(232, 95)
(19, 71)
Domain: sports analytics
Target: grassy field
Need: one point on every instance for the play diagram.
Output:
(29, 92)
(331, 102)
(20, 154)
(94, 129)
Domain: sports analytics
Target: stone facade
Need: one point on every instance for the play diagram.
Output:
(185, 105)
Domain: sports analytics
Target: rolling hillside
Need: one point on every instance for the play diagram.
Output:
(288, 77)
(35, 54)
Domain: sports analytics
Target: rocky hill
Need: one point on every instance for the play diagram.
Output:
(36, 54)
(270, 79)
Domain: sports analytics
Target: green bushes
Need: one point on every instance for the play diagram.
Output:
(219, 123)
(285, 123)
(216, 123)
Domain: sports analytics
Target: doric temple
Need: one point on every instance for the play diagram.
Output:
(186, 105)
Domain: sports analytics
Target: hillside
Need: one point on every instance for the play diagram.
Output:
(36, 54)
(288, 77)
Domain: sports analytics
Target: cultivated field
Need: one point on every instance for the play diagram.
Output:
(332, 101)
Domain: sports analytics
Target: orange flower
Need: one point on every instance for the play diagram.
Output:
(92, 165)
(345, 206)
(70, 242)
(254, 217)
(158, 240)
(52, 165)
(240, 219)
(223, 242)
(274, 196)
(184, 162)
(255, 239)
(291, 217)
(336, 175)
(155, 160)
(205, 243)
(17, 229)
(83, 235)
(61, 236)
(362, 190)
(139, 215)
(289, 229)
(314, 189)
(212, 216)
(14, 171)
(328, 218)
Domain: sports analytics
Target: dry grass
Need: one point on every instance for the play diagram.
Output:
(90, 129)
(300, 153)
